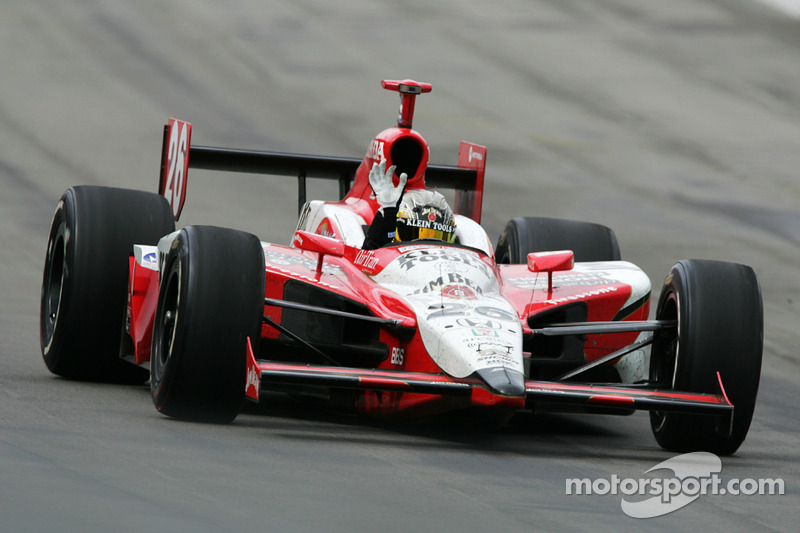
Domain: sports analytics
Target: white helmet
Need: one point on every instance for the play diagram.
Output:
(424, 214)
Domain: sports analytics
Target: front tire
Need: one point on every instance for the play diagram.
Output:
(523, 235)
(85, 280)
(211, 299)
(720, 329)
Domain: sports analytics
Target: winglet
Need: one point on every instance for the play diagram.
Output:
(724, 423)
(252, 387)
(470, 201)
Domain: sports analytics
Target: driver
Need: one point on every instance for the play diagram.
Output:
(420, 214)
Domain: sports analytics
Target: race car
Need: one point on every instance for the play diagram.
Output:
(548, 319)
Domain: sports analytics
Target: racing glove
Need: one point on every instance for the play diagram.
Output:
(380, 180)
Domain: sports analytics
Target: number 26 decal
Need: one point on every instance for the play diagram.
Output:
(176, 165)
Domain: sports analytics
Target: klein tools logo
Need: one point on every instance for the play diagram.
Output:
(693, 475)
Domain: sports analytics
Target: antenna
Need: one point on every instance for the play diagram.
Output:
(408, 89)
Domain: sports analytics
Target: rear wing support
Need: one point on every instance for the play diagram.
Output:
(466, 179)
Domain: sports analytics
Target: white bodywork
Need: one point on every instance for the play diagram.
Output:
(464, 322)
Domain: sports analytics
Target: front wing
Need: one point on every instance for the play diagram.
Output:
(266, 375)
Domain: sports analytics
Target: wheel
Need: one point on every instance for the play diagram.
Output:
(720, 329)
(523, 235)
(211, 298)
(85, 281)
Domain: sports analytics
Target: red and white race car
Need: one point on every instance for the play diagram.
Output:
(548, 319)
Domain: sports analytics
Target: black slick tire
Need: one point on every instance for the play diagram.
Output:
(85, 280)
(720, 329)
(523, 235)
(211, 299)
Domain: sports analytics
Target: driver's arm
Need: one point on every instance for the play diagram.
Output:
(383, 226)
(382, 230)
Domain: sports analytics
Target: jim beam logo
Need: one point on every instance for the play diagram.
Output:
(452, 285)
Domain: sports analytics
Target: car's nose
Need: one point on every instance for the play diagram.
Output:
(503, 381)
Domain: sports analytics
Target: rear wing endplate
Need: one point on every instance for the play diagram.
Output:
(467, 178)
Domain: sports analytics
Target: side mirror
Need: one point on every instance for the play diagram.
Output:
(551, 262)
(312, 242)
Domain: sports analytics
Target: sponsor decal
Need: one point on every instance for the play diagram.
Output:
(366, 259)
(562, 280)
(375, 150)
(463, 310)
(486, 346)
(326, 229)
(478, 323)
(398, 356)
(252, 385)
(581, 296)
(483, 332)
(404, 249)
(494, 355)
(274, 261)
(149, 258)
(276, 258)
(450, 284)
(411, 259)
(253, 380)
(474, 154)
(428, 224)
(459, 292)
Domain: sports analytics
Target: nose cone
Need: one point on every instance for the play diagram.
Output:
(503, 381)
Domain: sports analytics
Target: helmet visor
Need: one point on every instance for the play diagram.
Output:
(425, 233)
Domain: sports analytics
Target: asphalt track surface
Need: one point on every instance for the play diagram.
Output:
(675, 123)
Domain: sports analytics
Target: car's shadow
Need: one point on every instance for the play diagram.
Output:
(542, 434)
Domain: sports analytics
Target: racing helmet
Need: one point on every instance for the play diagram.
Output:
(424, 214)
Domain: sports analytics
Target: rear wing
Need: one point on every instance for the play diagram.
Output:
(178, 156)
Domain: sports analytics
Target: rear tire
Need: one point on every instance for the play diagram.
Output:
(720, 328)
(211, 299)
(84, 286)
(523, 235)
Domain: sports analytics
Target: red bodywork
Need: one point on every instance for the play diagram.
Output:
(417, 385)
(407, 380)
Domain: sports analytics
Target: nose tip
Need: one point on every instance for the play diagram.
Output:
(503, 381)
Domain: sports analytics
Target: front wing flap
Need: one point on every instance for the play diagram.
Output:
(270, 374)
(632, 397)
